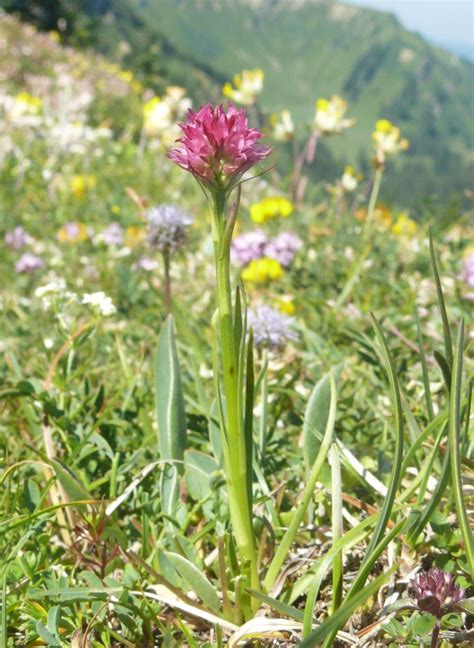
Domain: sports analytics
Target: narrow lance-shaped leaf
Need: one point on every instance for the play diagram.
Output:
(448, 344)
(398, 451)
(195, 579)
(454, 433)
(171, 415)
(316, 416)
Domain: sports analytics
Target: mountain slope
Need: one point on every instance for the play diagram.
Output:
(310, 49)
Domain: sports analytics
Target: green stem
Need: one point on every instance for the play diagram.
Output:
(167, 282)
(233, 434)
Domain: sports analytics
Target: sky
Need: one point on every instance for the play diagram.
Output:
(441, 21)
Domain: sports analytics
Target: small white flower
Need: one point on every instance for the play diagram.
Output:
(100, 302)
(48, 343)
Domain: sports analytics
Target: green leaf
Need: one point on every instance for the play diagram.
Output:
(46, 635)
(445, 368)
(199, 469)
(316, 416)
(278, 606)
(171, 415)
(195, 579)
(170, 410)
(71, 484)
(421, 625)
(466, 605)
(454, 447)
(448, 344)
(398, 451)
(248, 415)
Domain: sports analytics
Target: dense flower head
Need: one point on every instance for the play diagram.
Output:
(218, 146)
(270, 208)
(329, 117)
(259, 271)
(387, 141)
(167, 225)
(248, 85)
(271, 328)
(282, 126)
(28, 263)
(436, 592)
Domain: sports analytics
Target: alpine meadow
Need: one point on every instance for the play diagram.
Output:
(236, 333)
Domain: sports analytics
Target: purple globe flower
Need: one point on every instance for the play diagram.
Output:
(28, 263)
(436, 592)
(17, 238)
(248, 246)
(283, 247)
(271, 328)
(167, 227)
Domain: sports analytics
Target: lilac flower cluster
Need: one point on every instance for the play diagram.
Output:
(271, 328)
(17, 238)
(167, 226)
(255, 245)
(113, 234)
(28, 263)
(468, 273)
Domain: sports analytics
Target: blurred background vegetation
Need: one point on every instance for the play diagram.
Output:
(307, 50)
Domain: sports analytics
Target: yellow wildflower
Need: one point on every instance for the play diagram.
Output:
(115, 209)
(285, 304)
(248, 86)
(382, 215)
(260, 271)
(387, 141)
(73, 233)
(26, 104)
(282, 126)
(55, 36)
(405, 226)
(329, 117)
(270, 208)
(134, 236)
(82, 184)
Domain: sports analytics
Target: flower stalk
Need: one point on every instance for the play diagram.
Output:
(233, 428)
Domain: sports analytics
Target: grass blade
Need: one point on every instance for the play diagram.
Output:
(448, 343)
(287, 540)
(336, 620)
(398, 453)
(454, 431)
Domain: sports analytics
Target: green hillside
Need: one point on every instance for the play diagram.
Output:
(308, 50)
